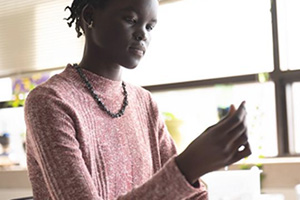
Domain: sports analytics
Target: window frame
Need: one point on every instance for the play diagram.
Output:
(281, 80)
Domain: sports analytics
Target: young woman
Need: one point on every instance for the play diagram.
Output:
(92, 136)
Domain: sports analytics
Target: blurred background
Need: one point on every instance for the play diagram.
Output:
(205, 55)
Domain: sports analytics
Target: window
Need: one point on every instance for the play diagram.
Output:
(270, 56)
(295, 118)
(6, 89)
(12, 123)
(197, 40)
(199, 45)
(208, 52)
(34, 36)
(61, 46)
(289, 34)
(197, 109)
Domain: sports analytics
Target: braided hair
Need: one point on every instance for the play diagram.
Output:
(76, 9)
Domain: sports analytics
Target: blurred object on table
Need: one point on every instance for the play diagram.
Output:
(271, 197)
(233, 184)
(297, 188)
(222, 112)
(4, 141)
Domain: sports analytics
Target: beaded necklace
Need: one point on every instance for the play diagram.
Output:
(98, 100)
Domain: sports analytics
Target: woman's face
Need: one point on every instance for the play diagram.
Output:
(121, 31)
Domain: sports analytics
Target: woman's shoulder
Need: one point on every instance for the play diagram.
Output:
(139, 91)
(54, 83)
(57, 86)
(142, 95)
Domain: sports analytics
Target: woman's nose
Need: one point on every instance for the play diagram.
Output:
(139, 36)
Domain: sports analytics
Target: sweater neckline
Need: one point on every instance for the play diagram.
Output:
(104, 87)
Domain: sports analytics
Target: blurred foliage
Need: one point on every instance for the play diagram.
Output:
(263, 77)
(173, 124)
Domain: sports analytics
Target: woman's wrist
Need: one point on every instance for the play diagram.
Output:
(184, 168)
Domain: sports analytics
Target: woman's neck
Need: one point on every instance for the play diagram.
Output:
(93, 62)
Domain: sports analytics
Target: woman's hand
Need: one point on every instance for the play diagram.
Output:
(217, 147)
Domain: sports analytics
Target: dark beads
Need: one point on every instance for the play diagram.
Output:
(98, 100)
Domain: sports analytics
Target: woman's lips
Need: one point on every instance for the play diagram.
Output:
(137, 50)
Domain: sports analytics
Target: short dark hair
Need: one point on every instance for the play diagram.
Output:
(76, 9)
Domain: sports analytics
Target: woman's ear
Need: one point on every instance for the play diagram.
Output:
(87, 17)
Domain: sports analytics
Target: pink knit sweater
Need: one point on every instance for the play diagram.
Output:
(75, 151)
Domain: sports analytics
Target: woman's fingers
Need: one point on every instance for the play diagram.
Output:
(236, 118)
(217, 147)
(233, 120)
(236, 133)
(240, 141)
(241, 154)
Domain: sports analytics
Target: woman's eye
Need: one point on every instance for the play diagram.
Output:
(130, 20)
(150, 27)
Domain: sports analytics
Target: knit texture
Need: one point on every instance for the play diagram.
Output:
(76, 151)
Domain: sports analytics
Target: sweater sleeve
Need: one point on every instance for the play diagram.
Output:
(168, 153)
(51, 139)
(51, 132)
